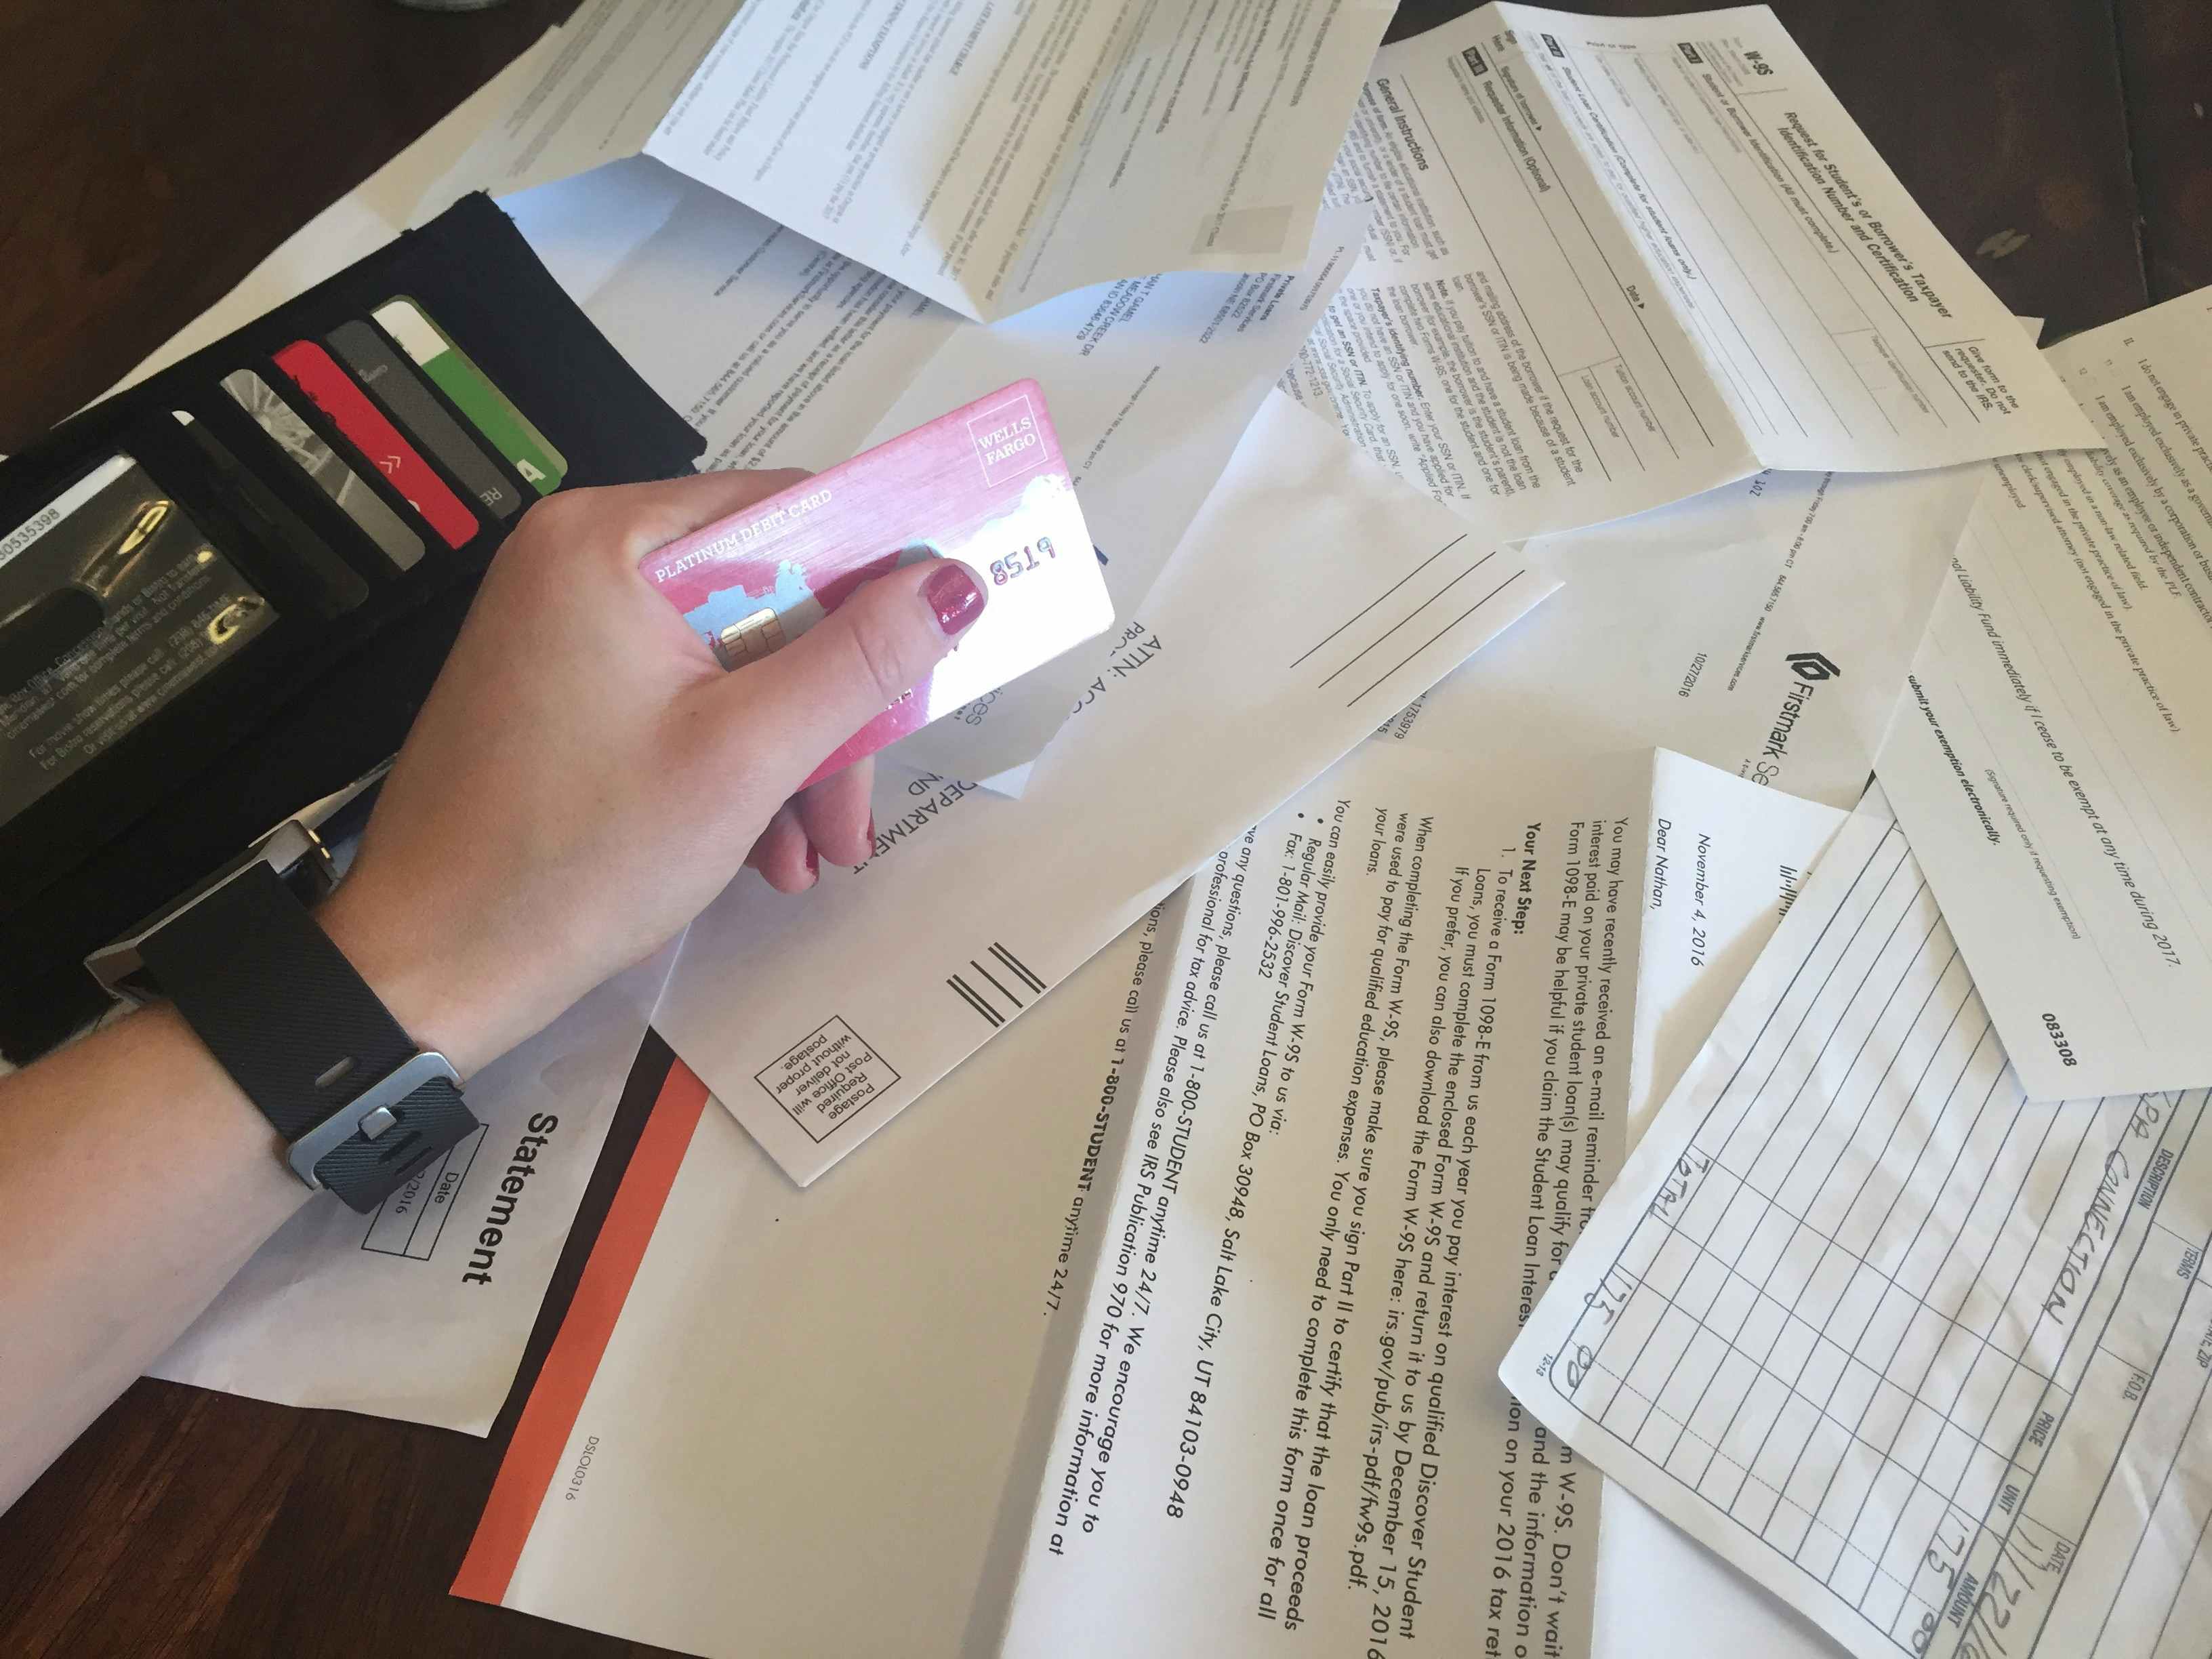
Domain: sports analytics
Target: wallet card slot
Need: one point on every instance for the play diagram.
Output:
(285, 554)
(301, 437)
(579, 397)
(421, 411)
(447, 364)
(378, 448)
(296, 495)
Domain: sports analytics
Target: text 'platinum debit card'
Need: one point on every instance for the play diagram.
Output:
(985, 485)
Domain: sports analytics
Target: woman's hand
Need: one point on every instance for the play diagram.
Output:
(585, 777)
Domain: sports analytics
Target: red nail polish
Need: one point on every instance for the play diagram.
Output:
(954, 594)
(813, 861)
(871, 833)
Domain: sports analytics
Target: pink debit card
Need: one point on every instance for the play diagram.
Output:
(985, 485)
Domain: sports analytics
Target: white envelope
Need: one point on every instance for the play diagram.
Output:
(1314, 595)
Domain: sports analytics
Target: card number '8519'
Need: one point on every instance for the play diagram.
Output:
(1022, 562)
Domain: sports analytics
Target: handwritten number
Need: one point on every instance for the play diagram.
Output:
(1579, 1367)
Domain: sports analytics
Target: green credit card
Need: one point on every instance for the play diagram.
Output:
(506, 427)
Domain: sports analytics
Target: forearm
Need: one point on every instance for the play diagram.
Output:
(139, 1179)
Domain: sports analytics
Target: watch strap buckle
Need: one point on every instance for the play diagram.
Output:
(375, 1112)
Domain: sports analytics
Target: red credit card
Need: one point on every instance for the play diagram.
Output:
(985, 485)
(331, 389)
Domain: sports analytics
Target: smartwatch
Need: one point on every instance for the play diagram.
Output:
(360, 1108)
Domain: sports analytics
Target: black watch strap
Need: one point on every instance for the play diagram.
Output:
(298, 1031)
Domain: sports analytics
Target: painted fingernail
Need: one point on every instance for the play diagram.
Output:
(871, 833)
(813, 861)
(955, 595)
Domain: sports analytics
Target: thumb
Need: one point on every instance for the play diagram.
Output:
(850, 666)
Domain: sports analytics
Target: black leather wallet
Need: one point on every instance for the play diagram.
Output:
(225, 592)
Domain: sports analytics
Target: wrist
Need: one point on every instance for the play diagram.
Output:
(408, 971)
(220, 1122)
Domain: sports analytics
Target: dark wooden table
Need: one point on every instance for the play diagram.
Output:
(157, 149)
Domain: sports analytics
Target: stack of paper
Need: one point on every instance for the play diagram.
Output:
(1172, 1318)
(1902, 1306)
(1268, 1397)
(1744, 291)
(1920, 1355)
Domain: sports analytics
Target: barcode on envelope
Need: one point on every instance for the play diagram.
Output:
(998, 984)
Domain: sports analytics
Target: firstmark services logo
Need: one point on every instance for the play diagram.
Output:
(1811, 667)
